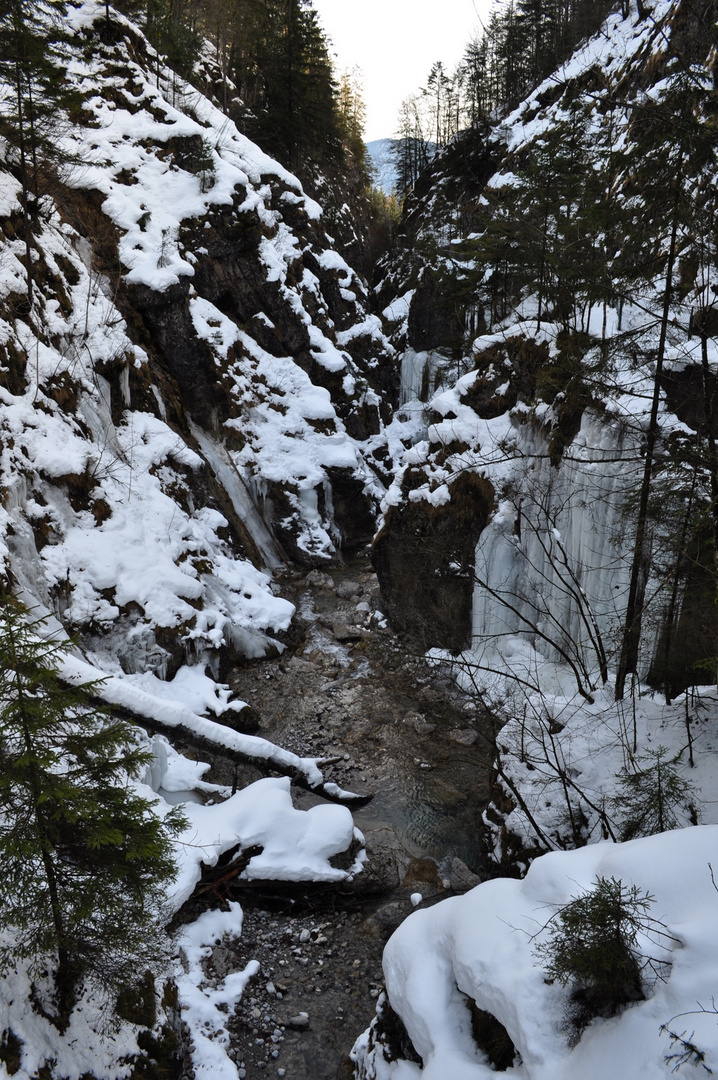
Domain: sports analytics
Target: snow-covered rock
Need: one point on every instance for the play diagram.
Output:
(480, 947)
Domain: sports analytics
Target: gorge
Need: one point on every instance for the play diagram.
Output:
(407, 586)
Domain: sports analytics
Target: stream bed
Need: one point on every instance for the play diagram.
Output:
(350, 688)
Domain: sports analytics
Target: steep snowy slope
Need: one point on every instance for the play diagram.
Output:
(555, 307)
(192, 394)
(533, 292)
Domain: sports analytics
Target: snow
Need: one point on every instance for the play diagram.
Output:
(134, 562)
(86, 1047)
(383, 158)
(164, 708)
(110, 522)
(297, 844)
(205, 1009)
(552, 579)
(482, 945)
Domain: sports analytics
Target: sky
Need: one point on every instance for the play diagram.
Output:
(395, 43)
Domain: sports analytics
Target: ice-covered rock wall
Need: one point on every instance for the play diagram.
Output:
(553, 565)
(509, 529)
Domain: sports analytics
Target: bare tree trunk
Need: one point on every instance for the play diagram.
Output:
(634, 613)
(24, 181)
(709, 393)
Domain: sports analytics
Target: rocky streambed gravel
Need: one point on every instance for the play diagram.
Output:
(351, 690)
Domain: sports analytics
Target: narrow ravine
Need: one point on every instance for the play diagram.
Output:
(353, 690)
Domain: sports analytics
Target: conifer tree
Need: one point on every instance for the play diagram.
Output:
(593, 943)
(651, 795)
(84, 859)
(670, 147)
(171, 30)
(30, 66)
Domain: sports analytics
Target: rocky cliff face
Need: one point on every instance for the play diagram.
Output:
(522, 371)
(195, 392)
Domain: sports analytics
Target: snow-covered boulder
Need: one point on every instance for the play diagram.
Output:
(480, 948)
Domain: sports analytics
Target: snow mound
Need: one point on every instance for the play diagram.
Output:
(480, 946)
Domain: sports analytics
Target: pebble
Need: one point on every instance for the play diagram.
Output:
(299, 1022)
(319, 580)
(348, 589)
(464, 736)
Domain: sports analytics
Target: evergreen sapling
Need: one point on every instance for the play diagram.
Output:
(85, 859)
(595, 942)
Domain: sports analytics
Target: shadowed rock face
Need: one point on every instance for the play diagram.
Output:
(424, 559)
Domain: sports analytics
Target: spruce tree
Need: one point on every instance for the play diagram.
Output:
(593, 942)
(31, 67)
(85, 860)
(650, 796)
(670, 147)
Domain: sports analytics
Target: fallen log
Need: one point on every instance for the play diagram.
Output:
(280, 765)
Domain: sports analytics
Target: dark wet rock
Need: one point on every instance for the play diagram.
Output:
(424, 559)
(387, 918)
(461, 879)
(432, 321)
(315, 579)
(345, 631)
(354, 511)
(422, 872)
(245, 720)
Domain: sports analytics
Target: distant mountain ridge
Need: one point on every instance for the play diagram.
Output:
(382, 154)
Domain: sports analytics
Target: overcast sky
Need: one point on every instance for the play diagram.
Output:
(395, 42)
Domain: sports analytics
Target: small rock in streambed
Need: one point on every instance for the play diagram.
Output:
(464, 736)
(461, 879)
(300, 1022)
(318, 580)
(344, 632)
(349, 589)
